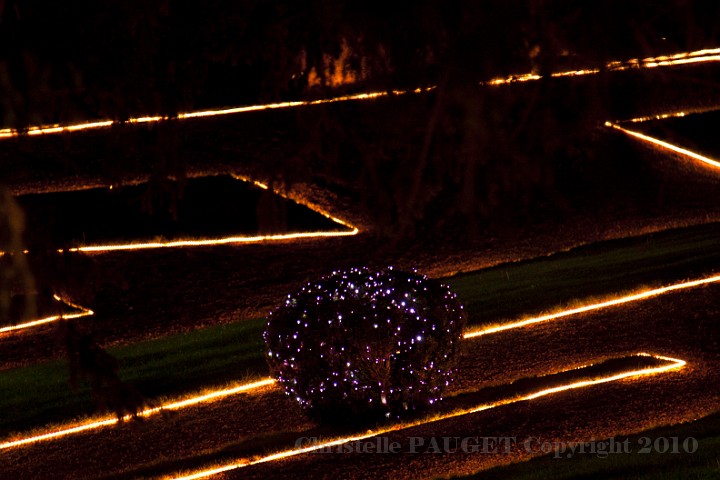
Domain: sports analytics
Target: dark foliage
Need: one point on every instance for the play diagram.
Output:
(91, 363)
(363, 344)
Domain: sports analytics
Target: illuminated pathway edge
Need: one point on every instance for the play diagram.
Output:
(238, 239)
(84, 312)
(243, 388)
(673, 364)
(594, 306)
(684, 58)
(111, 420)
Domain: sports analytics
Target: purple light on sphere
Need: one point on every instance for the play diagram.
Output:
(366, 343)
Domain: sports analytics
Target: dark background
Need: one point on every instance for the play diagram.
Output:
(68, 61)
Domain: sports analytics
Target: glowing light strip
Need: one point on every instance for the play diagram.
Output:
(84, 312)
(227, 240)
(661, 116)
(686, 58)
(666, 145)
(591, 307)
(674, 364)
(108, 421)
(267, 381)
(50, 129)
(699, 56)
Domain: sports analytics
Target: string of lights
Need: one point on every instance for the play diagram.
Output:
(672, 364)
(83, 312)
(102, 248)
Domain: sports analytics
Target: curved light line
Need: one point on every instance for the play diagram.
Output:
(666, 145)
(673, 364)
(108, 421)
(595, 306)
(84, 312)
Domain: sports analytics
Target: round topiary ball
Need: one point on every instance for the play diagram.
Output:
(361, 344)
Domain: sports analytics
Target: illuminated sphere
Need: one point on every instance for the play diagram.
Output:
(364, 344)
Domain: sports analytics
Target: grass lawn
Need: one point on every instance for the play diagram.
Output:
(39, 394)
(703, 463)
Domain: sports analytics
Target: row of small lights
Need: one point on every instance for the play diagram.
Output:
(215, 395)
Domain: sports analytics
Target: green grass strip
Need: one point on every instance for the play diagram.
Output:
(602, 269)
(39, 394)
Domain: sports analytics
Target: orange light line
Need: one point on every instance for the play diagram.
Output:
(673, 364)
(84, 312)
(220, 241)
(50, 129)
(208, 242)
(243, 178)
(108, 421)
(311, 206)
(595, 306)
(666, 145)
(686, 58)
(227, 240)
